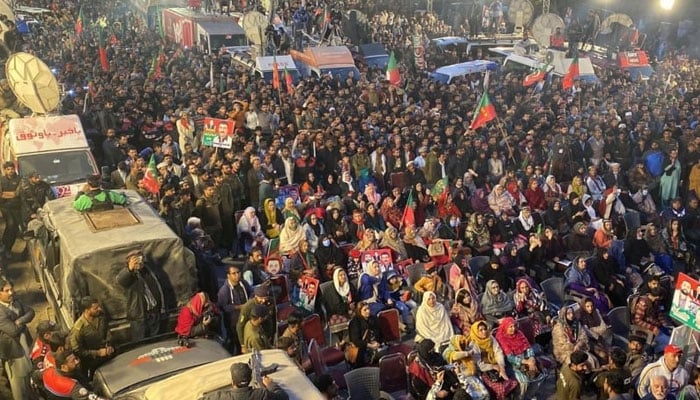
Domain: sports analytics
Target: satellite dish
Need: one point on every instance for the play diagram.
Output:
(520, 14)
(544, 26)
(32, 82)
(254, 24)
(622, 19)
(6, 10)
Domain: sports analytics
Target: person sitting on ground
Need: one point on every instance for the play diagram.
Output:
(241, 377)
(93, 198)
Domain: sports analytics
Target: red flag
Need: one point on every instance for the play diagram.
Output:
(288, 81)
(150, 178)
(484, 112)
(79, 22)
(392, 71)
(535, 77)
(275, 74)
(104, 61)
(568, 81)
(409, 217)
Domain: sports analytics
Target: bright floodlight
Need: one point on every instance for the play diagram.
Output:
(667, 4)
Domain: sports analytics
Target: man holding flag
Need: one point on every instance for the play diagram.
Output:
(484, 112)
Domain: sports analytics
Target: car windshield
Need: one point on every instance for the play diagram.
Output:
(59, 168)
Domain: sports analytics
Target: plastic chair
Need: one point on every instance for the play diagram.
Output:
(363, 383)
(321, 368)
(393, 374)
(414, 272)
(619, 320)
(312, 329)
(280, 291)
(553, 289)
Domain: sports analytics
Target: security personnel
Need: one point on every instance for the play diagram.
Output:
(10, 204)
(254, 337)
(269, 324)
(33, 193)
(241, 375)
(59, 382)
(94, 198)
(90, 337)
(41, 346)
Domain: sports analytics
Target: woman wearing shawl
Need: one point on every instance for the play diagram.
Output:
(391, 240)
(577, 187)
(422, 200)
(598, 331)
(192, 321)
(433, 321)
(495, 303)
(415, 246)
(328, 256)
(290, 236)
(518, 351)
(479, 202)
(337, 226)
(331, 186)
(373, 219)
(290, 210)
(491, 361)
(465, 311)
(465, 355)
(372, 288)
(535, 195)
(530, 302)
(391, 214)
(368, 241)
(250, 231)
(446, 208)
(372, 195)
(577, 278)
(555, 217)
(568, 335)
(341, 299)
(313, 230)
(302, 262)
(364, 332)
(422, 369)
(271, 219)
(552, 190)
(501, 202)
(477, 235)
(525, 224)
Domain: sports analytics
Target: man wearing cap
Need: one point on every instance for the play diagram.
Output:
(10, 204)
(43, 332)
(254, 337)
(241, 375)
(637, 358)
(668, 366)
(93, 198)
(60, 381)
(145, 300)
(269, 323)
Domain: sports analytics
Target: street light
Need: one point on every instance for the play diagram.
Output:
(667, 4)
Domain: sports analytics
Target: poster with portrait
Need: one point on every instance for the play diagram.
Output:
(308, 289)
(685, 306)
(287, 191)
(218, 132)
(382, 256)
(274, 266)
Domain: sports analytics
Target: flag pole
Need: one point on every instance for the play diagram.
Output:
(505, 139)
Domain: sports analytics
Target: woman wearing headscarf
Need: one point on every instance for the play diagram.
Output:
(373, 288)
(530, 302)
(250, 231)
(368, 241)
(598, 331)
(337, 226)
(477, 235)
(415, 246)
(464, 355)
(555, 217)
(331, 186)
(197, 317)
(290, 236)
(604, 270)
(313, 230)
(372, 195)
(373, 219)
(495, 303)
(328, 257)
(466, 310)
(364, 332)
(271, 219)
(578, 278)
(422, 369)
(290, 210)
(341, 299)
(433, 321)
(518, 351)
(491, 361)
(391, 240)
(446, 207)
(480, 202)
(535, 195)
(568, 335)
(525, 223)
(422, 200)
(302, 262)
(391, 214)
(495, 271)
(552, 190)
(501, 202)
(577, 186)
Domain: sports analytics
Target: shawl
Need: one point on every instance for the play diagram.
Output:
(394, 244)
(290, 238)
(591, 320)
(471, 312)
(290, 210)
(247, 224)
(515, 344)
(499, 303)
(391, 214)
(579, 188)
(479, 201)
(433, 322)
(570, 327)
(533, 301)
(526, 223)
(410, 237)
(343, 290)
(427, 354)
(573, 275)
(271, 219)
(488, 354)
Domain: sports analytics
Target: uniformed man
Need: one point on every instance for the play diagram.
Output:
(59, 382)
(94, 198)
(41, 347)
(241, 375)
(33, 193)
(254, 337)
(90, 337)
(269, 324)
(10, 205)
(570, 380)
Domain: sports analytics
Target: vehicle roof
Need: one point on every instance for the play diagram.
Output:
(154, 360)
(221, 28)
(265, 63)
(449, 40)
(326, 57)
(197, 381)
(373, 50)
(468, 67)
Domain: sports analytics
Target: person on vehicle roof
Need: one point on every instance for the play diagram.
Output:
(144, 293)
(93, 198)
(241, 376)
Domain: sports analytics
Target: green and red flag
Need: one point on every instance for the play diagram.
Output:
(289, 81)
(80, 22)
(392, 71)
(104, 61)
(150, 178)
(275, 73)
(408, 217)
(484, 112)
(568, 81)
(537, 76)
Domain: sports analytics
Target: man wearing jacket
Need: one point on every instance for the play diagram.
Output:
(145, 301)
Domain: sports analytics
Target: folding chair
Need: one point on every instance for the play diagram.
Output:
(280, 291)
(363, 383)
(393, 375)
(321, 368)
(388, 321)
(312, 329)
(619, 320)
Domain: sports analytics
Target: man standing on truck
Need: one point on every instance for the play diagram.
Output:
(144, 296)
(10, 205)
(94, 198)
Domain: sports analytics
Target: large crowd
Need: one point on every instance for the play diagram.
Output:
(597, 185)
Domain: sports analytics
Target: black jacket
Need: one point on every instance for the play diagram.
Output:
(132, 282)
(273, 392)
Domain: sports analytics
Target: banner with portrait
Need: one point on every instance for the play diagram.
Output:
(308, 289)
(218, 132)
(382, 256)
(685, 307)
(287, 191)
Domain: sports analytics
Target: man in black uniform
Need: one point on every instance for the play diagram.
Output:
(59, 382)
(33, 193)
(241, 375)
(10, 205)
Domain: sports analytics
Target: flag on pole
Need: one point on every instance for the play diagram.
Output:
(484, 112)
(288, 81)
(535, 77)
(275, 73)
(392, 71)
(80, 22)
(104, 61)
(150, 178)
(568, 81)
(409, 217)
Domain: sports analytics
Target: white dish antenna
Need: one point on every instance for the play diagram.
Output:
(520, 14)
(32, 82)
(622, 19)
(544, 26)
(254, 24)
(6, 10)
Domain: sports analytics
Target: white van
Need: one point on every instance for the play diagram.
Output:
(448, 73)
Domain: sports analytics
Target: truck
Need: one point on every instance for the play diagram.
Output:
(319, 61)
(449, 73)
(635, 62)
(263, 66)
(209, 32)
(78, 254)
(53, 146)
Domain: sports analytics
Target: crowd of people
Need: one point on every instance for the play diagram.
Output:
(552, 187)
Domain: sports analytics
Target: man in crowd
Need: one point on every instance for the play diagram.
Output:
(93, 198)
(145, 300)
(90, 337)
(269, 323)
(61, 382)
(668, 366)
(232, 295)
(14, 339)
(570, 380)
(241, 377)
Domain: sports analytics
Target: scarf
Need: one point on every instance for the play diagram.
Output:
(394, 244)
(570, 327)
(433, 322)
(526, 223)
(344, 289)
(591, 320)
(271, 216)
(499, 303)
(488, 354)
(290, 238)
(577, 276)
(472, 310)
(515, 344)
